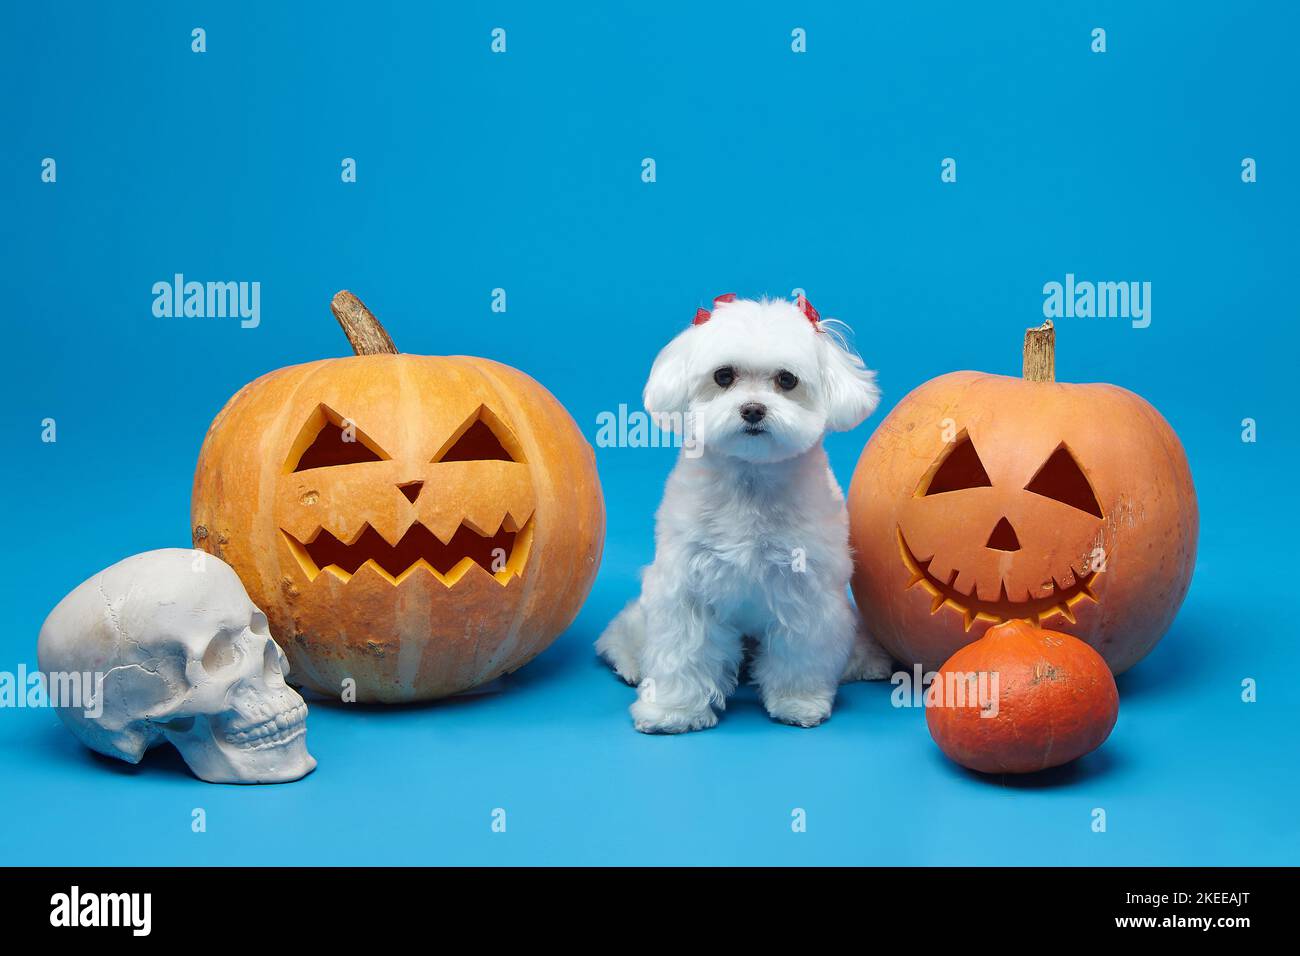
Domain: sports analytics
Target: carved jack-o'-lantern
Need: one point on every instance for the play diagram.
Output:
(416, 524)
(985, 498)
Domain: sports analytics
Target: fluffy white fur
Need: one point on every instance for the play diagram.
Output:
(751, 541)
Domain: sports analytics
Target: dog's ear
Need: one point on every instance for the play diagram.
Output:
(668, 390)
(848, 386)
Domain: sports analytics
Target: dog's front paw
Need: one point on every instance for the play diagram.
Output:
(619, 652)
(650, 718)
(624, 664)
(801, 711)
(869, 661)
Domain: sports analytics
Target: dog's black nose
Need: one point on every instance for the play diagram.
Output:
(753, 412)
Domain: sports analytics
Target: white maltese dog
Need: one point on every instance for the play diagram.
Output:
(751, 541)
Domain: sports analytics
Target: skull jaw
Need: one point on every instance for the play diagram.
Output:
(216, 760)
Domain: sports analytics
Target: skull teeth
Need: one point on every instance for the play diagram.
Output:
(278, 730)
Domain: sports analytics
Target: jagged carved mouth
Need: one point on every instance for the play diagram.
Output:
(972, 608)
(501, 554)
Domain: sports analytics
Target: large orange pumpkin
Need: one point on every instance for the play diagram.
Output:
(1021, 699)
(986, 498)
(419, 525)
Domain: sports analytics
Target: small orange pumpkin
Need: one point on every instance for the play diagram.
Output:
(985, 498)
(418, 525)
(1021, 699)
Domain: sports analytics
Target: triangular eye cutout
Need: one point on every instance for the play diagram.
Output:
(960, 468)
(482, 438)
(1063, 480)
(328, 439)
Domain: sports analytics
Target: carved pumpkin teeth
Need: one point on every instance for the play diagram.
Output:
(972, 607)
(501, 554)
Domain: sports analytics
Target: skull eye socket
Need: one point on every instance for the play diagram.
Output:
(959, 468)
(221, 654)
(483, 437)
(1061, 479)
(329, 439)
(274, 662)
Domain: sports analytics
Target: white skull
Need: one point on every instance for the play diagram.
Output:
(185, 657)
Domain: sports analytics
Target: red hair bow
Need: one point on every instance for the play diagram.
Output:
(807, 309)
(703, 315)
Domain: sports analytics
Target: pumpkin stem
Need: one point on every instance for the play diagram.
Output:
(1040, 353)
(367, 335)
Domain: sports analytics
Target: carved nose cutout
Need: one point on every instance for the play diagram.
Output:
(1003, 537)
(411, 489)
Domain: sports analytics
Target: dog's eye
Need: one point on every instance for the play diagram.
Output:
(725, 376)
(786, 380)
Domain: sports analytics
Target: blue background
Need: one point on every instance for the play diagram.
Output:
(775, 171)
